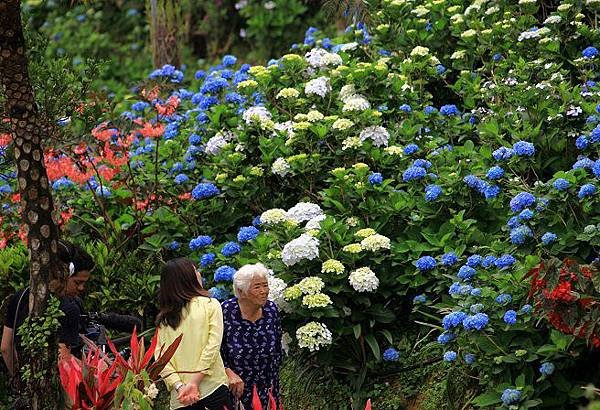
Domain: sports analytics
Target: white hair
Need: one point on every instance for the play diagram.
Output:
(245, 275)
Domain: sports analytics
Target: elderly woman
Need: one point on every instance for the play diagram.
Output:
(251, 347)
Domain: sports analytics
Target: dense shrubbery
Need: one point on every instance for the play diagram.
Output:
(406, 175)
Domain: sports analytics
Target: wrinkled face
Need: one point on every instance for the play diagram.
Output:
(76, 283)
(258, 291)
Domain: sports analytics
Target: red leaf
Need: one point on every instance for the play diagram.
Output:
(256, 404)
(272, 404)
(151, 350)
(134, 347)
(159, 364)
(368, 406)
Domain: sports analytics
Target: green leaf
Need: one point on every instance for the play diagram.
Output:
(357, 329)
(372, 342)
(486, 399)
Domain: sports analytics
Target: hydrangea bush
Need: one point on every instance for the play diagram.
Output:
(411, 170)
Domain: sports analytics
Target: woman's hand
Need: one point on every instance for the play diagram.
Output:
(236, 384)
(189, 394)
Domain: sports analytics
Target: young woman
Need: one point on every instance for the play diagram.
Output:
(251, 347)
(195, 376)
(77, 267)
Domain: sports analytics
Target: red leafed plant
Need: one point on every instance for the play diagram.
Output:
(93, 382)
(272, 405)
(567, 294)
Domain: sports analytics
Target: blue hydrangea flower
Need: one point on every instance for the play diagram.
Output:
(432, 192)
(497, 57)
(526, 309)
(440, 69)
(505, 261)
(207, 259)
(561, 184)
(488, 261)
(587, 190)
(474, 260)
(510, 396)
(6, 189)
(195, 139)
(429, 109)
(466, 272)
(425, 263)
(453, 319)
(510, 317)
(256, 221)
(589, 52)
(224, 274)
(450, 356)
(419, 299)
(476, 322)
(140, 106)
(524, 148)
(413, 173)
(103, 191)
(513, 222)
(521, 201)
(503, 153)
(495, 173)
(405, 108)
(548, 238)
(491, 191)
(199, 242)
(503, 299)
(247, 233)
(375, 178)
(582, 142)
(181, 179)
(454, 289)
(230, 249)
(476, 292)
(411, 149)
(446, 337)
(596, 168)
(219, 293)
(423, 163)
(449, 259)
(205, 190)
(583, 162)
(449, 109)
(174, 245)
(229, 60)
(391, 355)
(62, 182)
(469, 358)
(547, 368)
(526, 214)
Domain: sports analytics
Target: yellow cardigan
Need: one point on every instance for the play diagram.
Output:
(199, 350)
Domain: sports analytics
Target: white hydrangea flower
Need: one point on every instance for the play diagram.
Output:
(151, 391)
(313, 336)
(303, 247)
(318, 300)
(351, 142)
(286, 127)
(319, 86)
(363, 280)
(379, 135)
(319, 58)
(315, 223)
(419, 51)
(215, 144)
(314, 116)
(280, 167)
(347, 91)
(256, 114)
(342, 124)
(574, 111)
(375, 242)
(553, 20)
(349, 46)
(304, 211)
(311, 285)
(356, 103)
(273, 216)
(288, 93)
(276, 288)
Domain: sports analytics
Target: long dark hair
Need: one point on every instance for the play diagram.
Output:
(178, 285)
(73, 260)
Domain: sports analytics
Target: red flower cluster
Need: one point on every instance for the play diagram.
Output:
(564, 293)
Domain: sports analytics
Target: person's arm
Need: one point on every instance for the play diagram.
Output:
(236, 384)
(278, 336)
(68, 332)
(168, 374)
(8, 350)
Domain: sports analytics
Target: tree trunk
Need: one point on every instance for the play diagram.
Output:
(36, 199)
(165, 20)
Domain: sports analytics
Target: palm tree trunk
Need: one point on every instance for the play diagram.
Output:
(36, 199)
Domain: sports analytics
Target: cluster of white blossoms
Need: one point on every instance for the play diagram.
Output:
(375, 242)
(315, 223)
(304, 211)
(342, 124)
(379, 135)
(256, 115)
(311, 285)
(218, 141)
(280, 167)
(303, 247)
(286, 127)
(276, 289)
(319, 58)
(319, 86)
(363, 280)
(318, 300)
(313, 336)
(273, 216)
(352, 100)
(288, 93)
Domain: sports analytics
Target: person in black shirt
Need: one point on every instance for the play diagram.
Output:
(78, 265)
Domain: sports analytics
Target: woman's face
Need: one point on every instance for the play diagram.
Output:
(76, 283)
(258, 291)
